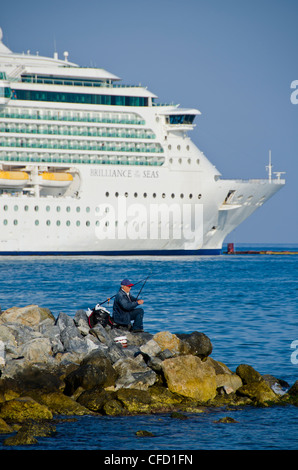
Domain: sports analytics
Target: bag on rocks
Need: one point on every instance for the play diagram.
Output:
(100, 315)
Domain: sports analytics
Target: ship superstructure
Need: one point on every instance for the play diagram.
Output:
(91, 166)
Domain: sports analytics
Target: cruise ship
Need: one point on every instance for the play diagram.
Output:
(91, 166)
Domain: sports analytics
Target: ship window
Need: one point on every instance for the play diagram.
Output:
(68, 223)
(145, 195)
(36, 208)
(15, 222)
(87, 223)
(26, 208)
(68, 209)
(78, 209)
(229, 196)
(5, 222)
(181, 118)
(48, 208)
(48, 222)
(58, 208)
(16, 208)
(199, 196)
(33, 95)
(78, 223)
(36, 222)
(5, 208)
(58, 223)
(87, 209)
(172, 195)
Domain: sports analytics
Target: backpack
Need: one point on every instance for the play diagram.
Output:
(100, 315)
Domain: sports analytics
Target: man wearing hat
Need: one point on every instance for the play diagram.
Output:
(124, 308)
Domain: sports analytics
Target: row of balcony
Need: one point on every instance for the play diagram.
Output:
(126, 133)
(72, 116)
(46, 157)
(93, 145)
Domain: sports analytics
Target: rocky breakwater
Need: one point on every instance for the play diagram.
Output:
(59, 366)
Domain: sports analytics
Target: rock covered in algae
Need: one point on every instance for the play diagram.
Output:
(189, 376)
(24, 408)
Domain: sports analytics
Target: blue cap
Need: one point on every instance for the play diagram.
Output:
(126, 282)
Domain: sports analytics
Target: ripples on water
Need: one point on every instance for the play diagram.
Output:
(247, 305)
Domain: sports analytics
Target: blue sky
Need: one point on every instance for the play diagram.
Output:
(234, 60)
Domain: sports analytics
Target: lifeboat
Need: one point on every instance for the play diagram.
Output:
(55, 180)
(13, 179)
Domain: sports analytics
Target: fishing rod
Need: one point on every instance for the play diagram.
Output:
(110, 298)
(143, 285)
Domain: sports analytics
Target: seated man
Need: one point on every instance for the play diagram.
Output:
(124, 308)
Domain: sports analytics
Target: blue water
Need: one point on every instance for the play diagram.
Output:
(246, 304)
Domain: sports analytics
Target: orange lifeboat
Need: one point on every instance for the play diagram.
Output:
(55, 180)
(13, 179)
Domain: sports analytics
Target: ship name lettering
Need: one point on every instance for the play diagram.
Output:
(109, 172)
(150, 174)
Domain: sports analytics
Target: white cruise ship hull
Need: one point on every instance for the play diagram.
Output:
(88, 166)
(69, 226)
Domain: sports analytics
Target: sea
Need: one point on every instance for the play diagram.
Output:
(247, 304)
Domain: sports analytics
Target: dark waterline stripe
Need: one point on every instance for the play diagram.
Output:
(204, 252)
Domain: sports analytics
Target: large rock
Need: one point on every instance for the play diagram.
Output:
(248, 374)
(26, 435)
(8, 339)
(260, 392)
(225, 378)
(167, 340)
(95, 399)
(4, 427)
(134, 400)
(33, 377)
(38, 350)
(81, 322)
(58, 403)
(191, 377)
(23, 409)
(32, 315)
(134, 373)
(95, 370)
(293, 391)
(196, 344)
(254, 385)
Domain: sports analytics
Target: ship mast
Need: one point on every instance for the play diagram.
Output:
(269, 168)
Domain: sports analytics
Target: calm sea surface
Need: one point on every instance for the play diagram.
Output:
(246, 304)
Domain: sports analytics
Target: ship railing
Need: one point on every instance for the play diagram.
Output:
(276, 180)
(163, 104)
(69, 82)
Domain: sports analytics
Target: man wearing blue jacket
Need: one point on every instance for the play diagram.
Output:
(124, 308)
